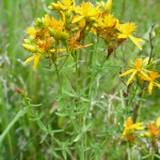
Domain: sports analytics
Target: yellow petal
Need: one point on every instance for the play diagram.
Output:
(29, 59)
(31, 31)
(138, 126)
(144, 76)
(82, 24)
(122, 36)
(138, 64)
(36, 61)
(129, 122)
(127, 72)
(150, 87)
(131, 78)
(146, 134)
(137, 41)
(154, 75)
(29, 47)
(126, 29)
(47, 20)
(157, 84)
(63, 16)
(68, 2)
(108, 5)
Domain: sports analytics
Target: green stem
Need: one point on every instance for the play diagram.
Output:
(123, 8)
(136, 109)
(58, 77)
(8, 128)
(151, 44)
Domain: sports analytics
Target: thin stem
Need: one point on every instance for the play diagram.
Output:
(123, 8)
(58, 77)
(136, 109)
(151, 44)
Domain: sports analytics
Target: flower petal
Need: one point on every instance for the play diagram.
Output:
(157, 84)
(29, 59)
(137, 41)
(127, 72)
(108, 5)
(36, 61)
(131, 78)
(144, 76)
(150, 87)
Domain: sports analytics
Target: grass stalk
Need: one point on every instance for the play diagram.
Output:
(11, 124)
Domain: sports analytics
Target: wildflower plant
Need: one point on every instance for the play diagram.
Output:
(148, 133)
(51, 36)
(141, 71)
(130, 129)
(70, 29)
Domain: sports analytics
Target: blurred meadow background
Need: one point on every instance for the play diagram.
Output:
(85, 119)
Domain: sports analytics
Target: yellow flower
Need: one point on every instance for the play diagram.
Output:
(153, 129)
(49, 33)
(108, 21)
(74, 42)
(55, 27)
(105, 27)
(41, 43)
(130, 127)
(86, 11)
(64, 5)
(44, 45)
(51, 22)
(152, 76)
(126, 31)
(138, 69)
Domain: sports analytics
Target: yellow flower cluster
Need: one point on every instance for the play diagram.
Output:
(140, 70)
(153, 129)
(130, 128)
(133, 130)
(50, 36)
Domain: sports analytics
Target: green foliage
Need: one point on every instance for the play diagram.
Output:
(78, 115)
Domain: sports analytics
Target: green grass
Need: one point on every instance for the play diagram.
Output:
(80, 116)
